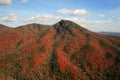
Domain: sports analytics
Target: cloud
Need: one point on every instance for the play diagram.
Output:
(10, 18)
(96, 25)
(52, 18)
(64, 11)
(44, 18)
(48, 18)
(101, 15)
(9, 2)
(24, 1)
(118, 18)
(72, 12)
(5, 2)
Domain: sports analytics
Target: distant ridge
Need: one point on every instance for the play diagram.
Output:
(111, 33)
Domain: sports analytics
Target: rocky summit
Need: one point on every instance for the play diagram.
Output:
(63, 51)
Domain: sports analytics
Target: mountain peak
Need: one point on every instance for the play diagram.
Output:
(67, 26)
(63, 26)
(64, 51)
(65, 22)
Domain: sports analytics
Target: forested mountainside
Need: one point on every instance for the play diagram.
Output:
(63, 51)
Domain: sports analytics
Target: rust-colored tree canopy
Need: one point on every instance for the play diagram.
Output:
(63, 51)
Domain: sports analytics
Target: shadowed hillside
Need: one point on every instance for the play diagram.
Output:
(63, 51)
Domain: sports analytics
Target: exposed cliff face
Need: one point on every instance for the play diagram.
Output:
(64, 51)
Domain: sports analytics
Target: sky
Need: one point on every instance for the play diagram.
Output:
(95, 15)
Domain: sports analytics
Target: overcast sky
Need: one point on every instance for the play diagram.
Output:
(96, 15)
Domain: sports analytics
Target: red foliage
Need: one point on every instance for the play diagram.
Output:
(29, 40)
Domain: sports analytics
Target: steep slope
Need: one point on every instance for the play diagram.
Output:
(64, 51)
